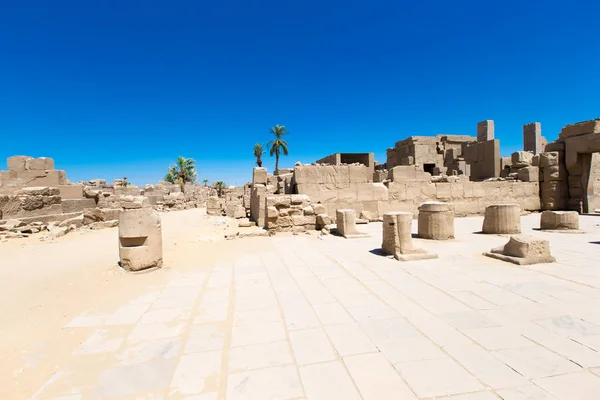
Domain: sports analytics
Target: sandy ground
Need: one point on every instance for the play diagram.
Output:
(45, 284)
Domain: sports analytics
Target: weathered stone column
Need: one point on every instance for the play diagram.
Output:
(397, 237)
(502, 218)
(346, 224)
(140, 239)
(436, 221)
(559, 220)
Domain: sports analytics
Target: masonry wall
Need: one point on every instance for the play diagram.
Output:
(469, 198)
(340, 187)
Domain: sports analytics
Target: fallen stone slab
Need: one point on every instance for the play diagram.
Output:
(523, 250)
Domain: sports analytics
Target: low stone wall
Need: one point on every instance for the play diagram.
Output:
(30, 202)
(290, 213)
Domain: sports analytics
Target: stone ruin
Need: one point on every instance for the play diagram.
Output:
(467, 172)
(34, 197)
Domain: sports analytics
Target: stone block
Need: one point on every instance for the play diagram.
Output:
(319, 209)
(436, 221)
(521, 159)
(75, 205)
(554, 173)
(550, 159)
(555, 146)
(502, 219)
(40, 164)
(281, 201)
(140, 239)
(71, 191)
(259, 176)
(471, 152)
(380, 192)
(365, 191)
(443, 190)
(559, 220)
(485, 130)
(529, 174)
(18, 163)
(359, 173)
(299, 199)
(523, 250)
(397, 237)
(532, 138)
(580, 128)
(346, 224)
(322, 220)
(38, 191)
(348, 195)
(300, 220)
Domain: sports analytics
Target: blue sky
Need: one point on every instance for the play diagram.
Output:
(121, 88)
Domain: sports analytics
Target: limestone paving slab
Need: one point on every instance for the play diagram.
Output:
(311, 318)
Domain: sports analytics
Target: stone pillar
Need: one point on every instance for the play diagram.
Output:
(397, 237)
(140, 239)
(485, 130)
(502, 218)
(346, 224)
(532, 138)
(259, 176)
(559, 220)
(436, 221)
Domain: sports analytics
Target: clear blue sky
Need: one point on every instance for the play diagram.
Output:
(121, 88)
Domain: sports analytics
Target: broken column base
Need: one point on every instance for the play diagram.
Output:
(420, 255)
(346, 224)
(397, 238)
(523, 250)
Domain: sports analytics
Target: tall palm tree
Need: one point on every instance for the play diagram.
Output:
(184, 171)
(258, 152)
(205, 181)
(278, 145)
(220, 188)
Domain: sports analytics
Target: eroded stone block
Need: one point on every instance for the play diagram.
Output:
(523, 250)
(559, 220)
(140, 239)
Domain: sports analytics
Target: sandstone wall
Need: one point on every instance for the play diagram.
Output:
(469, 198)
(339, 187)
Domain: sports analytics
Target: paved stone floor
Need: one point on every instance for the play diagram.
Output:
(330, 318)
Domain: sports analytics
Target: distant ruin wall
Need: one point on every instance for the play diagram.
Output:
(341, 187)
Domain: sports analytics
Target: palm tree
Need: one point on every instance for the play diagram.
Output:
(258, 152)
(205, 181)
(278, 145)
(184, 171)
(220, 187)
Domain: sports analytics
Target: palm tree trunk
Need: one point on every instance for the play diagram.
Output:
(276, 160)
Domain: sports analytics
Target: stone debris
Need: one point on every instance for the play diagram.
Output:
(523, 250)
